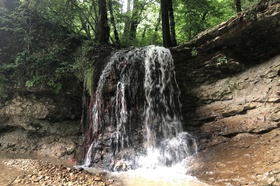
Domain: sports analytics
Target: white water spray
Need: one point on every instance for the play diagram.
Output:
(163, 142)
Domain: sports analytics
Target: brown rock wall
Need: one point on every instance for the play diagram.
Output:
(41, 124)
(237, 124)
(245, 103)
(229, 79)
(231, 95)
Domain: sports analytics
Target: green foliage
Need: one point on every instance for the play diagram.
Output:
(3, 93)
(222, 60)
(88, 60)
(41, 41)
(78, 15)
(194, 52)
(249, 3)
(191, 17)
(84, 68)
(195, 16)
(38, 53)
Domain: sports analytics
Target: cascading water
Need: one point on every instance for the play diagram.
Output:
(135, 115)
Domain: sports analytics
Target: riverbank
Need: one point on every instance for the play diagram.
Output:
(20, 172)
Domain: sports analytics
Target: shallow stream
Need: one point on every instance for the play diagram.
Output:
(162, 176)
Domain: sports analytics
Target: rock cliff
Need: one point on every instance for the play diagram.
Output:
(229, 78)
(239, 126)
(38, 123)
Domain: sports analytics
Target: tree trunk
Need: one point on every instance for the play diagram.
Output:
(94, 9)
(157, 27)
(165, 24)
(238, 5)
(172, 23)
(127, 18)
(112, 19)
(144, 32)
(103, 28)
(128, 6)
(134, 19)
(138, 8)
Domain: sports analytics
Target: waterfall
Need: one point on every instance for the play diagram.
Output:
(136, 113)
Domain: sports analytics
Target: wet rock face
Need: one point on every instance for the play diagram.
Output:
(229, 78)
(246, 103)
(39, 123)
(39, 105)
(236, 120)
(226, 50)
(135, 107)
(237, 123)
(114, 119)
(246, 159)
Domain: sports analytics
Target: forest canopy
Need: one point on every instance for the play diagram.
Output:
(135, 22)
(44, 41)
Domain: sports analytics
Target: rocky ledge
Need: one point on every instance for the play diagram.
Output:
(40, 123)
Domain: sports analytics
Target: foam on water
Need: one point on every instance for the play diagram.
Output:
(163, 176)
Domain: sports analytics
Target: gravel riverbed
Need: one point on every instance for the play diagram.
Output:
(20, 172)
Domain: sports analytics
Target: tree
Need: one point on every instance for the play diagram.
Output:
(138, 7)
(172, 23)
(195, 16)
(102, 28)
(112, 20)
(136, 22)
(132, 17)
(168, 24)
(165, 24)
(126, 17)
(238, 5)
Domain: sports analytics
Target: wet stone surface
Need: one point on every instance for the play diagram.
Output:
(238, 128)
(248, 159)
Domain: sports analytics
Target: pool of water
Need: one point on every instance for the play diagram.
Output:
(161, 176)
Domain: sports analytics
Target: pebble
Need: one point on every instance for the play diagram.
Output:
(44, 173)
